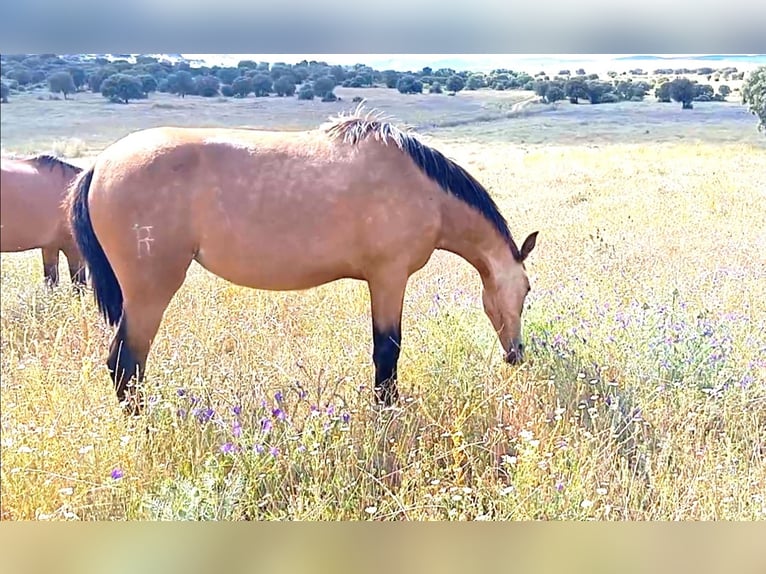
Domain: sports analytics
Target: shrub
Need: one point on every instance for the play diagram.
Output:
(455, 83)
(409, 84)
(306, 92)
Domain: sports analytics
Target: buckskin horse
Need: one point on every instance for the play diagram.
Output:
(356, 198)
(33, 215)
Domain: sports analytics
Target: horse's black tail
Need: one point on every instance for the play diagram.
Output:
(105, 286)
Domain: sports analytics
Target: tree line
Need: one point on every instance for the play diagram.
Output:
(122, 80)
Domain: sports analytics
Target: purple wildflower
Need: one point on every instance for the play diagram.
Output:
(279, 414)
(274, 451)
(181, 392)
(559, 485)
(314, 410)
(258, 448)
(345, 417)
(181, 413)
(266, 425)
(117, 473)
(279, 396)
(237, 410)
(228, 448)
(330, 410)
(236, 429)
(204, 415)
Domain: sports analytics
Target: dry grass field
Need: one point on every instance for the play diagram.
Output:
(644, 393)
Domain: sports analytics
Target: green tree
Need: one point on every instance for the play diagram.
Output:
(391, 78)
(122, 88)
(323, 86)
(284, 86)
(703, 92)
(683, 90)
(21, 74)
(724, 90)
(754, 95)
(97, 77)
(78, 76)
(545, 89)
(228, 75)
(662, 92)
(338, 73)
(409, 84)
(4, 91)
(148, 83)
(181, 83)
(554, 93)
(435, 87)
(596, 90)
(207, 85)
(242, 86)
(475, 81)
(455, 83)
(280, 69)
(61, 82)
(262, 84)
(247, 65)
(574, 89)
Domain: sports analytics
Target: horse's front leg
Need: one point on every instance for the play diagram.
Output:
(386, 298)
(51, 266)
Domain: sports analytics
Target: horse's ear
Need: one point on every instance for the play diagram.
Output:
(528, 246)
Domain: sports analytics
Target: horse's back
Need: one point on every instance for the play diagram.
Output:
(278, 210)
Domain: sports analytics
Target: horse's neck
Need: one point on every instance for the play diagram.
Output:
(470, 235)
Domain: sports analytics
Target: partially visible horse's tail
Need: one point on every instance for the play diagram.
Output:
(105, 286)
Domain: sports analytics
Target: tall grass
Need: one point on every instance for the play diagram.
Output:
(644, 396)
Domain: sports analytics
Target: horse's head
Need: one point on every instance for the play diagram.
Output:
(503, 296)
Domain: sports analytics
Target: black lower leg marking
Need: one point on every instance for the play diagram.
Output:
(385, 355)
(123, 366)
(51, 273)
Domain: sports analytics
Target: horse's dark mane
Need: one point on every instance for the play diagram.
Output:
(451, 177)
(51, 161)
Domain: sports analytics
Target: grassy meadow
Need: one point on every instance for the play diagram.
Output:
(643, 396)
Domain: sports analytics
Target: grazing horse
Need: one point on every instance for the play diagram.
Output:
(356, 198)
(33, 214)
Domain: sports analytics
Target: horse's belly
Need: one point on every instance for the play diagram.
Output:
(273, 269)
(22, 231)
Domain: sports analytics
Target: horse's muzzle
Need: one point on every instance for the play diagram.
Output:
(515, 354)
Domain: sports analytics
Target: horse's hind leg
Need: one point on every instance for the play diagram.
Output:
(76, 267)
(387, 298)
(144, 304)
(51, 266)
